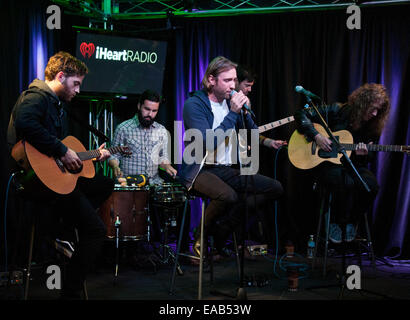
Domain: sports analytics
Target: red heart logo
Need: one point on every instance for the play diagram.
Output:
(87, 49)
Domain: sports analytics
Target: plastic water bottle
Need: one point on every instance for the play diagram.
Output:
(310, 247)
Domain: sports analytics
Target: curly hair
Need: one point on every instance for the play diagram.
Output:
(65, 62)
(362, 99)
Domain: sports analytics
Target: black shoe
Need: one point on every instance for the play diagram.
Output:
(223, 251)
(221, 234)
(220, 246)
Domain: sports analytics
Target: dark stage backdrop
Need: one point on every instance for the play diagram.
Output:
(317, 51)
(312, 49)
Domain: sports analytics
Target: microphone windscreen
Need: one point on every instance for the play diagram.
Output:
(232, 92)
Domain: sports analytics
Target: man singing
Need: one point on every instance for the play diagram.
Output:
(210, 109)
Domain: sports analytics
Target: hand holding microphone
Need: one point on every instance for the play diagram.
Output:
(239, 101)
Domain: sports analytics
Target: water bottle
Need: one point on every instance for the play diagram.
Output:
(310, 247)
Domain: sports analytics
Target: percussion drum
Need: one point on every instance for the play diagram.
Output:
(169, 193)
(130, 205)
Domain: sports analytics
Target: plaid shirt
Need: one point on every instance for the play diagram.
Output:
(148, 147)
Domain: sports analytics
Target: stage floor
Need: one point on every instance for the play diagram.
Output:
(139, 279)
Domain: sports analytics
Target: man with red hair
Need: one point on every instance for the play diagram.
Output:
(364, 115)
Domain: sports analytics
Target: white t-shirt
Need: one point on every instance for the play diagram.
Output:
(220, 110)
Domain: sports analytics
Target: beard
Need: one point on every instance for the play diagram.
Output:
(66, 94)
(145, 122)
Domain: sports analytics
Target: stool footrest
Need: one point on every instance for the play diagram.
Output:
(189, 256)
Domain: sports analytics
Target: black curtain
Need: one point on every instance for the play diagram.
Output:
(312, 49)
(318, 51)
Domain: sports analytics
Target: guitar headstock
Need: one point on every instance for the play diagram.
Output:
(406, 149)
(124, 151)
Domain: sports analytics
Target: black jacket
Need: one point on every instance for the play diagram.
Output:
(39, 118)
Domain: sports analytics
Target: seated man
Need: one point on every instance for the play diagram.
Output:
(145, 137)
(364, 115)
(208, 110)
(40, 119)
(148, 142)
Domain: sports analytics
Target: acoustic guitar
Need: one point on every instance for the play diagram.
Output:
(51, 171)
(307, 155)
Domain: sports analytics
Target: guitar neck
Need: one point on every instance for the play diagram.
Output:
(91, 154)
(275, 124)
(377, 147)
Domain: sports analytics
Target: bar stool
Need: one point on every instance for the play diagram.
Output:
(326, 197)
(191, 196)
(57, 246)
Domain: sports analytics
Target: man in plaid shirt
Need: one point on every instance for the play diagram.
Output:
(147, 140)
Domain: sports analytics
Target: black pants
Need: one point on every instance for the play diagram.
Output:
(350, 198)
(225, 187)
(78, 210)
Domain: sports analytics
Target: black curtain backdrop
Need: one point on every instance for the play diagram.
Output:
(312, 49)
(318, 51)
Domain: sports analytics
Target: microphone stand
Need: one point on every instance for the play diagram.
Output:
(241, 291)
(345, 157)
(89, 127)
(340, 148)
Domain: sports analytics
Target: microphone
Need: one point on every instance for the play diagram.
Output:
(309, 94)
(245, 105)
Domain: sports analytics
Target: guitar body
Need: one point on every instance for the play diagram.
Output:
(46, 168)
(307, 155)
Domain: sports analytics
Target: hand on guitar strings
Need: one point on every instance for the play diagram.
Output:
(71, 160)
(361, 149)
(104, 153)
(324, 143)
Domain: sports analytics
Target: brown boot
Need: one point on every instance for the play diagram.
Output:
(196, 247)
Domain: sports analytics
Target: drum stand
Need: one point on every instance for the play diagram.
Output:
(117, 248)
(164, 251)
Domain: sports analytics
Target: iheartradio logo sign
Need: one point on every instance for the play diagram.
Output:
(87, 49)
(102, 53)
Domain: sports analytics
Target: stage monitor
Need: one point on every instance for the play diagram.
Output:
(120, 65)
